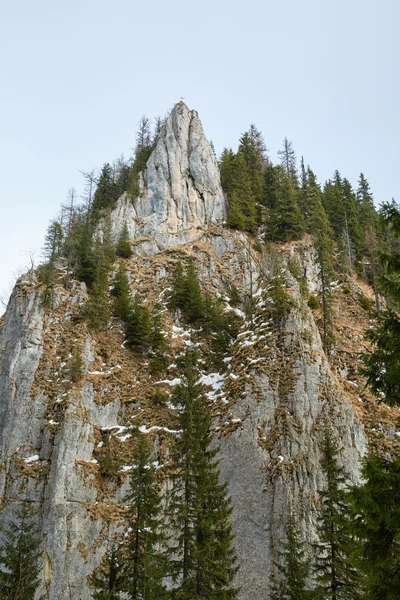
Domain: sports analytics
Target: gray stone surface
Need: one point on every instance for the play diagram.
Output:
(181, 192)
(181, 202)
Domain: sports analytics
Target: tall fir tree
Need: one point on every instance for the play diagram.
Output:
(202, 558)
(290, 576)
(106, 193)
(335, 576)
(145, 565)
(376, 524)
(108, 579)
(324, 247)
(287, 158)
(20, 558)
(159, 346)
(138, 328)
(382, 365)
(52, 251)
(123, 247)
(98, 307)
(122, 295)
(286, 221)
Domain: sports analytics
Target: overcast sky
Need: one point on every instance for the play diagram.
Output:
(76, 77)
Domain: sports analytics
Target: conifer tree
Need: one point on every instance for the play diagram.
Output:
(376, 524)
(52, 250)
(123, 248)
(20, 558)
(335, 576)
(158, 341)
(186, 293)
(98, 307)
(382, 365)
(138, 329)
(144, 551)
(289, 579)
(76, 365)
(286, 221)
(108, 579)
(122, 295)
(106, 193)
(288, 160)
(243, 186)
(203, 560)
(367, 212)
(324, 246)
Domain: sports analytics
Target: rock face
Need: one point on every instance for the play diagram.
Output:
(269, 403)
(181, 193)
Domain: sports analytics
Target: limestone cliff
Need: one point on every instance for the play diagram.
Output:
(268, 404)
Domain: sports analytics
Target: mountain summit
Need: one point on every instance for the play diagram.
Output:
(180, 189)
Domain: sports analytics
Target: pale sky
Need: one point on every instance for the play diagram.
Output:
(76, 77)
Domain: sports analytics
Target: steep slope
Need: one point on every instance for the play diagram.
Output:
(67, 447)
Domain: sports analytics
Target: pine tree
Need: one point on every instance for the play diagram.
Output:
(108, 579)
(158, 341)
(286, 221)
(376, 524)
(292, 568)
(76, 365)
(243, 186)
(382, 365)
(98, 307)
(144, 556)
(366, 209)
(288, 160)
(106, 192)
(123, 248)
(186, 293)
(52, 250)
(203, 560)
(138, 329)
(324, 246)
(20, 558)
(335, 575)
(122, 295)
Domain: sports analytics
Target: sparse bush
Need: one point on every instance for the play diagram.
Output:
(76, 365)
(159, 398)
(313, 303)
(364, 302)
(257, 246)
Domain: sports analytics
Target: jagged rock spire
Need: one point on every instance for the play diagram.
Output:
(181, 191)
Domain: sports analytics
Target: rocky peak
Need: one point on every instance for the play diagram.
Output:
(181, 192)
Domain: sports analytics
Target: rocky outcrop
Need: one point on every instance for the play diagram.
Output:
(270, 401)
(181, 193)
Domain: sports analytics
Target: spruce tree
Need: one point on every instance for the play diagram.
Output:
(159, 346)
(20, 558)
(203, 560)
(286, 221)
(144, 555)
(291, 573)
(122, 295)
(123, 248)
(186, 292)
(288, 160)
(108, 579)
(382, 365)
(98, 307)
(376, 524)
(324, 247)
(138, 328)
(106, 193)
(336, 577)
(52, 250)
